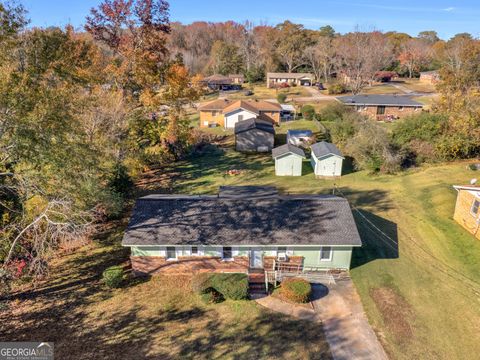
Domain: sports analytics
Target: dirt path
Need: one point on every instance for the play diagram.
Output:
(340, 311)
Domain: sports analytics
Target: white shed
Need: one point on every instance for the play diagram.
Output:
(326, 160)
(288, 160)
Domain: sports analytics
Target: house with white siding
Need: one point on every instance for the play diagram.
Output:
(326, 160)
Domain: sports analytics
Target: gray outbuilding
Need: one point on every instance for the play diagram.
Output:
(326, 160)
(288, 160)
(254, 135)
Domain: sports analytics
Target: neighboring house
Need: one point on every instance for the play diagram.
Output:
(382, 107)
(222, 82)
(431, 77)
(300, 137)
(288, 160)
(227, 113)
(326, 160)
(242, 229)
(254, 135)
(467, 208)
(237, 78)
(288, 112)
(303, 79)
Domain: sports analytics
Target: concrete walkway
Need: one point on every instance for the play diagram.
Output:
(340, 311)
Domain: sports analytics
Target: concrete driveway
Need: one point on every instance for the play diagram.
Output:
(339, 309)
(346, 327)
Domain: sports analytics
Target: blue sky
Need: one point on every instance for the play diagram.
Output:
(446, 17)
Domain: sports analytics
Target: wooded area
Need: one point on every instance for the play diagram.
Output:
(83, 113)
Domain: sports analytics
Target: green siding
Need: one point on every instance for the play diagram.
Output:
(341, 256)
(147, 251)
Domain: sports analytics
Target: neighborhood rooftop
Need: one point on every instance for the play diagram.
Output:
(226, 105)
(323, 148)
(253, 123)
(382, 100)
(246, 219)
(285, 149)
(289, 75)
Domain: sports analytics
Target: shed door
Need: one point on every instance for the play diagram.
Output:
(329, 168)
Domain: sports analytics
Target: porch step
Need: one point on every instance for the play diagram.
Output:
(256, 288)
(256, 277)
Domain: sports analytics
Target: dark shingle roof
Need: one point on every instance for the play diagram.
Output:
(247, 191)
(385, 100)
(212, 220)
(323, 148)
(253, 123)
(285, 149)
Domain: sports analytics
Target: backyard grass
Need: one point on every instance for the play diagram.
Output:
(260, 91)
(157, 318)
(420, 285)
(381, 89)
(417, 85)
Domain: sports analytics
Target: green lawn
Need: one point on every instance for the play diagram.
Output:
(416, 294)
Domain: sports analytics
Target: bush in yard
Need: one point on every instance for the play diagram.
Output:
(296, 290)
(308, 112)
(231, 286)
(113, 276)
(201, 283)
(211, 296)
(281, 98)
(337, 88)
(333, 112)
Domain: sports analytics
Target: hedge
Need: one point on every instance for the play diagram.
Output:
(113, 276)
(281, 97)
(296, 290)
(230, 286)
(308, 112)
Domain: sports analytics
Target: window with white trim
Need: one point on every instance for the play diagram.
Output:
(282, 252)
(194, 250)
(171, 253)
(326, 253)
(227, 253)
(475, 207)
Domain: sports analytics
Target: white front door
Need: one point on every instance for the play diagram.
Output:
(256, 259)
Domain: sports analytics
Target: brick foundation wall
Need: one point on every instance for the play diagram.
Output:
(371, 111)
(187, 264)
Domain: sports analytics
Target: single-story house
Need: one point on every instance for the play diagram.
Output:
(326, 160)
(237, 78)
(241, 229)
(300, 137)
(467, 208)
(222, 82)
(382, 107)
(254, 135)
(303, 79)
(288, 160)
(431, 77)
(225, 113)
(288, 112)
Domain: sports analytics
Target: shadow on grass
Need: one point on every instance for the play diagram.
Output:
(379, 238)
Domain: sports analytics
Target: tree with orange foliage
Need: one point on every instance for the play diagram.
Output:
(135, 30)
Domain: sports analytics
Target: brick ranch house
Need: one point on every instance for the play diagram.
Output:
(382, 107)
(467, 208)
(227, 113)
(242, 229)
(302, 79)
